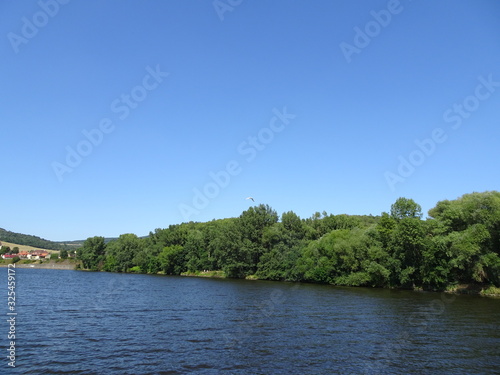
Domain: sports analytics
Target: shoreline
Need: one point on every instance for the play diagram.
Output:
(462, 289)
(51, 265)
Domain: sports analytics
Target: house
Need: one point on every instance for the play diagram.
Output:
(38, 254)
(9, 256)
(23, 254)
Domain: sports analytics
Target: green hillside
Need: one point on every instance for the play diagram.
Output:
(29, 240)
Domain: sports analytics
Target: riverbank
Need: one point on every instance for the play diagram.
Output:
(481, 289)
(476, 289)
(210, 274)
(49, 264)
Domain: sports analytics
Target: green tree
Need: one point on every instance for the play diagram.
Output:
(197, 254)
(110, 264)
(123, 250)
(92, 253)
(435, 267)
(255, 219)
(324, 223)
(142, 260)
(228, 250)
(282, 243)
(470, 228)
(405, 208)
(385, 229)
(172, 260)
(293, 225)
(465, 251)
(63, 254)
(252, 224)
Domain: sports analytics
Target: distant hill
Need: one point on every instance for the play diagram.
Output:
(34, 241)
(79, 243)
(23, 247)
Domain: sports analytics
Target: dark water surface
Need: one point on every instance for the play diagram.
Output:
(73, 322)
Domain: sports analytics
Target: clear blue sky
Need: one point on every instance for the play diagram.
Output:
(170, 91)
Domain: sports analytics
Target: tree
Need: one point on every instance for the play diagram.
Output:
(460, 242)
(110, 264)
(405, 208)
(172, 260)
(407, 246)
(470, 229)
(63, 254)
(197, 254)
(293, 225)
(123, 250)
(435, 266)
(92, 253)
(228, 249)
(251, 224)
(385, 228)
(253, 221)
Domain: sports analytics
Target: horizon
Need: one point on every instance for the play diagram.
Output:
(127, 117)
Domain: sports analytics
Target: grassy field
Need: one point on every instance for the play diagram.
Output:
(25, 248)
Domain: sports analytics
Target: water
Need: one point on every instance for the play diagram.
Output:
(73, 322)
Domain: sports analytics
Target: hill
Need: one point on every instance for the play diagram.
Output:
(25, 247)
(34, 241)
(73, 245)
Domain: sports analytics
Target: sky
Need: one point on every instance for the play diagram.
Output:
(126, 116)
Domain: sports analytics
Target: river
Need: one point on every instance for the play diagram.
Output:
(73, 322)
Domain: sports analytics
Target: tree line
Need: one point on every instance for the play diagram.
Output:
(458, 243)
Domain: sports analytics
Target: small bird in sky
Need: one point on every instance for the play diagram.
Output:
(251, 199)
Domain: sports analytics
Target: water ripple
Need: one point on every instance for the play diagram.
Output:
(169, 325)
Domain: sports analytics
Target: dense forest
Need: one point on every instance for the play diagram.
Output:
(29, 240)
(458, 243)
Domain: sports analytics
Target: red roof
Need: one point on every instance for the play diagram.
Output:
(39, 252)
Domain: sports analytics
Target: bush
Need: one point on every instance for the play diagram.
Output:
(135, 269)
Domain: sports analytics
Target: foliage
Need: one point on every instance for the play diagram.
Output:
(123, 251)
(459, 243)
(92, 253)
(405, 208)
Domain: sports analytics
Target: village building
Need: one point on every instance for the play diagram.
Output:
(38, 254)
(32, 255)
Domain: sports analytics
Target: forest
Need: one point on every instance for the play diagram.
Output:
(458, 243)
